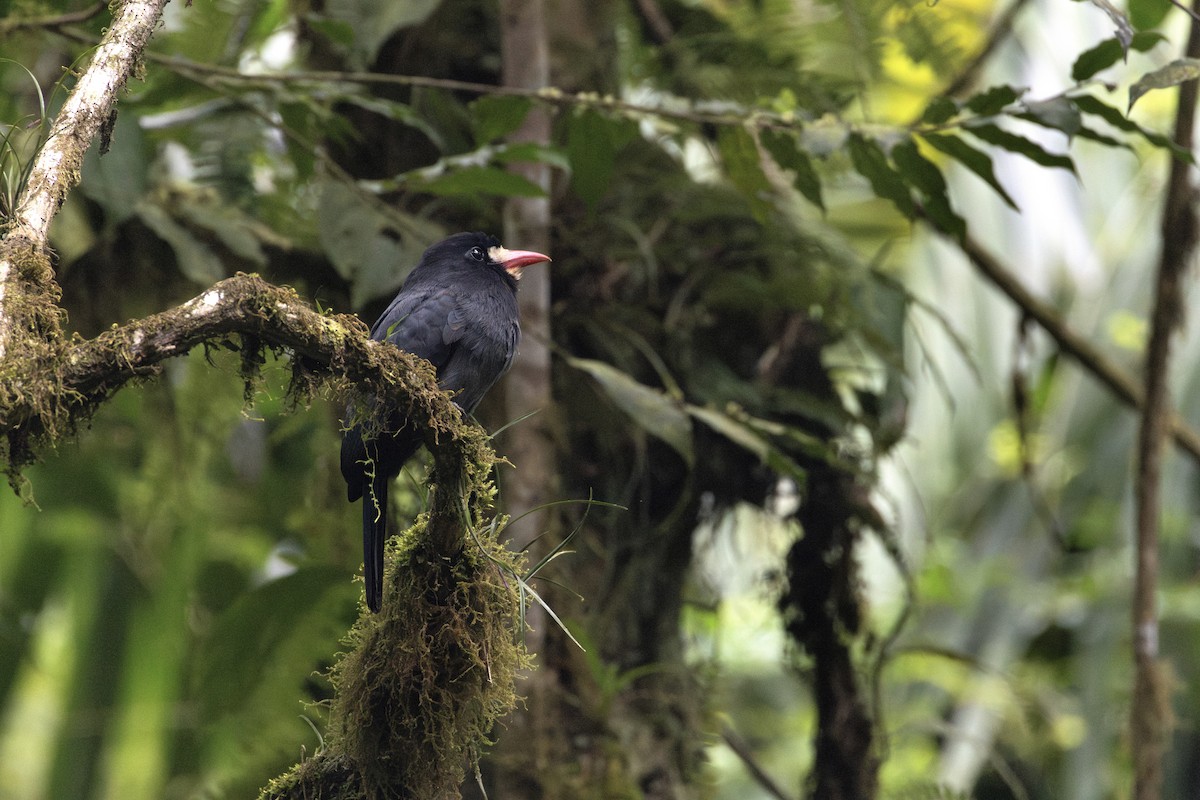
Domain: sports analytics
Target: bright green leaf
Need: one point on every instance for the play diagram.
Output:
(991, 101)
(740, 156)
(480, 180)
(784, 148)
(592, 153)
(924, 174)
(977, 161)
(1177, 72)
(1014, 143)
(1147, 14)
(496, 116)
(1109, 52)
(872, 164)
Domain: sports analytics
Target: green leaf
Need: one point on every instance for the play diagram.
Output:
(196, 260)
(1089, 104)
(748, 439)
(785, 149)
(1109, 52)
(592, 152)
(924, 174)
(298, 117)
(939, 110)
(531, 151)
(335, 30)
(365, 246)
(117, 181)
(1014, 143)
(1101, 138)
(479, 180)
(375, 21)
(991, 101)
(1147, 14)
(740, 156)
(1178, 71)
(870, 162)
(496, 116)
(1057, 113)
(653, 410)
(228, 225)
(400, 112)
(977, 161)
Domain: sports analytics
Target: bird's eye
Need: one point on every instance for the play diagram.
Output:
(476, 253)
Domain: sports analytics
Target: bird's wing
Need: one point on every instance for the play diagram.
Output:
(425, 323)
(484, 353)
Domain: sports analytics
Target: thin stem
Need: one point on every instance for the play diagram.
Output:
(1150, 717)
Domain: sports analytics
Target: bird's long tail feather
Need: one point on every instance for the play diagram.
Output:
(375, 514)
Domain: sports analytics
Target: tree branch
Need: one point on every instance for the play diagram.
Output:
(7, 26)
(420, 653)
(998, 34)
(1151, 708)
(1090, 357)
(49, 402)
(57, 167)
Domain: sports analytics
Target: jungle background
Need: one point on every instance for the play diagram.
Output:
(834, 468)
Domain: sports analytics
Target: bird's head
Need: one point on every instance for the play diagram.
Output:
(479, 250)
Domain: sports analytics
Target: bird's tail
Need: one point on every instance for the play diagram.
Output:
(375, 514)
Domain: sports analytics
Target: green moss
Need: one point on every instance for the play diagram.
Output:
(30, 384)
(427, 678)
(423, 682)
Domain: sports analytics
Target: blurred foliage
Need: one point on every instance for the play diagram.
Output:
(739, 298)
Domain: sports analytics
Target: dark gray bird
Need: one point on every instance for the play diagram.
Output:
(457, 310)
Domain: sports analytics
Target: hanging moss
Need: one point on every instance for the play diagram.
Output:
(28, 377)
(424, 681)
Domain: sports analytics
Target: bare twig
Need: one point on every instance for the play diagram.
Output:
(676, 109)
(1090, 357)
(998, 34)
(742, 750)
(12, 24)
(1150, 713)
(656, 20)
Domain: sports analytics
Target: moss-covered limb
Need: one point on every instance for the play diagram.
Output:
(50, 386)
(423, 681)
(55, 170)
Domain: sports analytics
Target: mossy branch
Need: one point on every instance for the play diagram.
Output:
(48, 387)
(55, 171)
(423, 682)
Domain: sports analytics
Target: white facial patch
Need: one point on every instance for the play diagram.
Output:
(499, 255)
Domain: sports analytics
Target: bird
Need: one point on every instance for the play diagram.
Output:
(458, 310)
